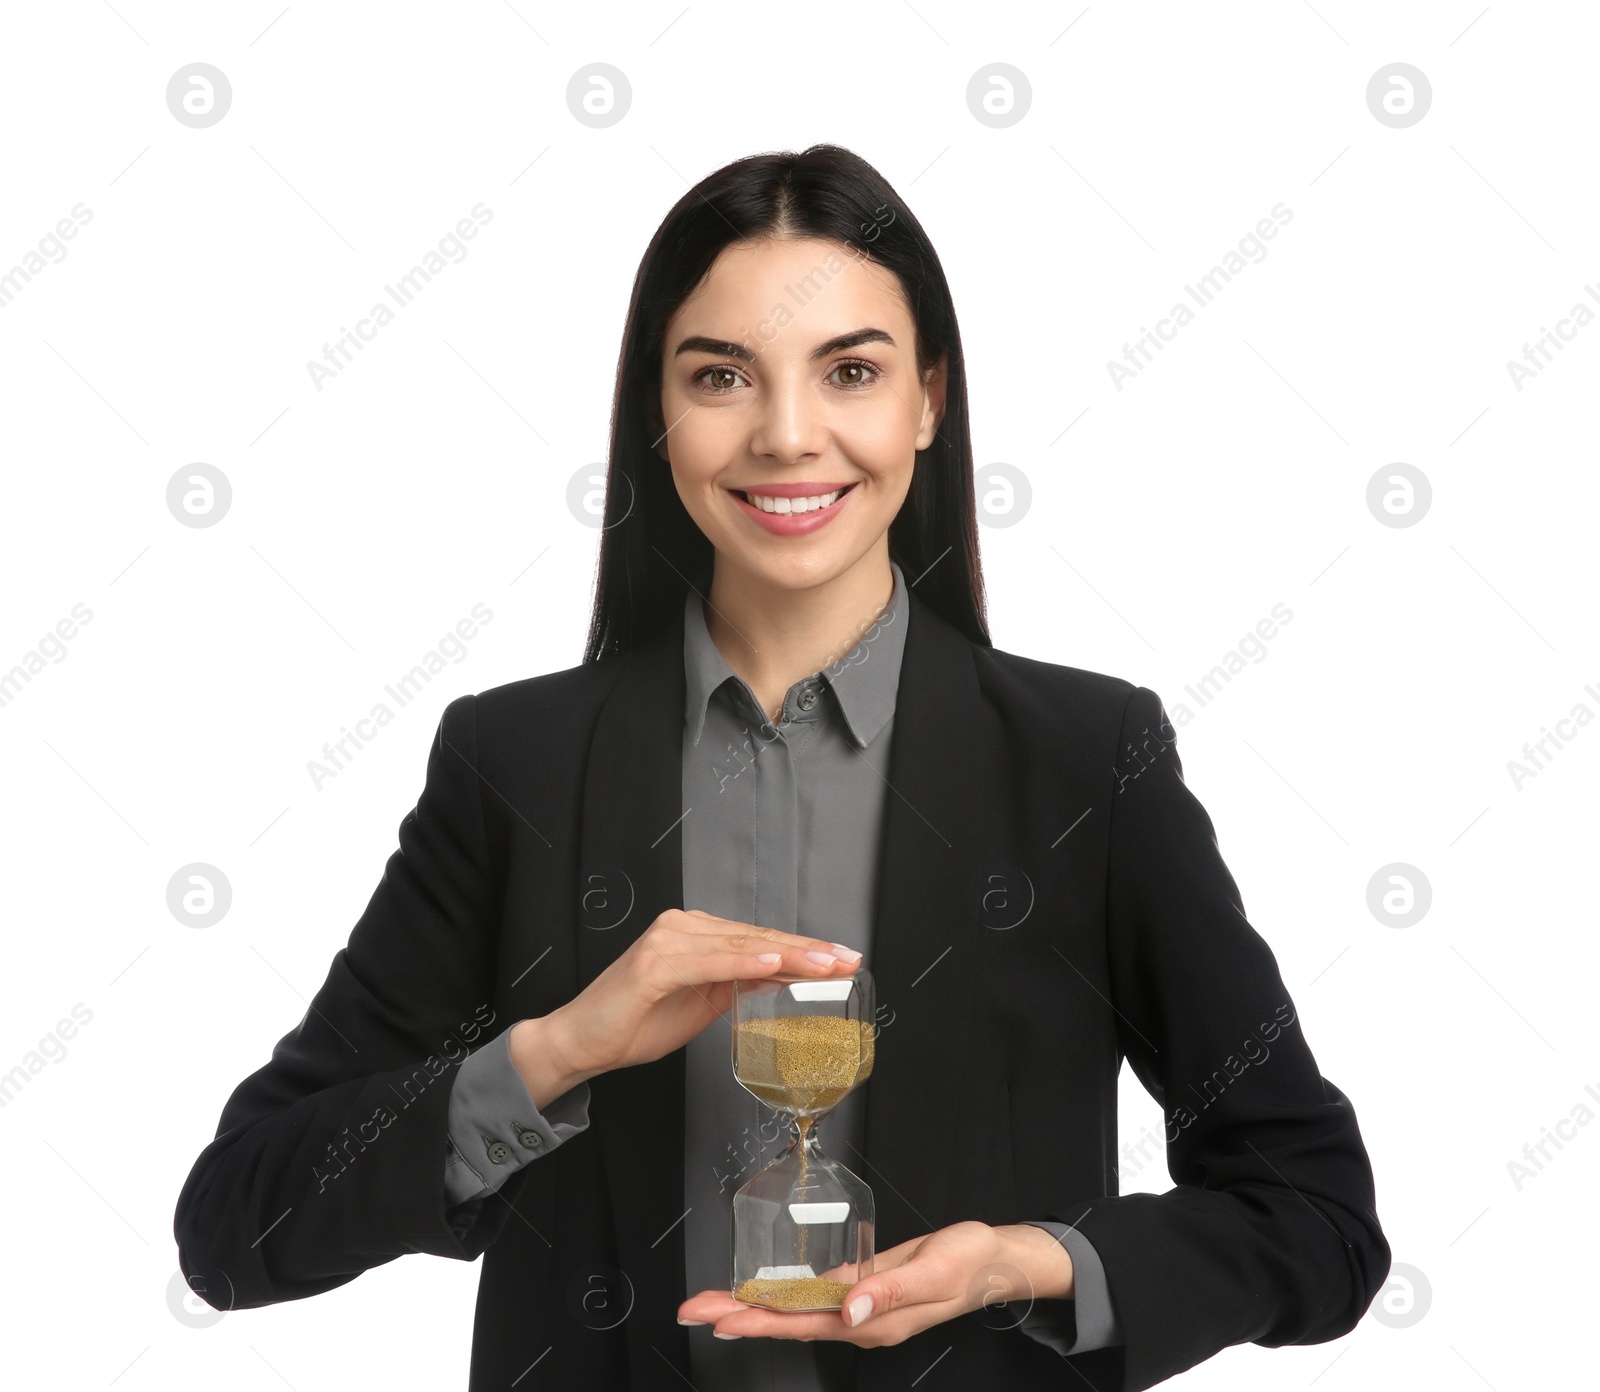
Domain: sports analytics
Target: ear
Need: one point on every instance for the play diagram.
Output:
(934, 383)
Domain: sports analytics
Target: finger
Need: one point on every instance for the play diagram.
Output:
(806, 956)
(736, 959)
(924, 1277)
(699, 922)
(780, 957)
(704, 971)
(757, 1322)
(709, 1306)
(890, 1328)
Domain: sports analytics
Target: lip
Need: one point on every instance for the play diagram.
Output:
(788, 524)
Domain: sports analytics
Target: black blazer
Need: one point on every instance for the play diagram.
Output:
(1051, 900)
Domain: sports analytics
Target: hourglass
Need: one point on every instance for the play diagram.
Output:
(802, 1226)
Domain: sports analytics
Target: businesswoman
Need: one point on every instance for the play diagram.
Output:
(792, 748)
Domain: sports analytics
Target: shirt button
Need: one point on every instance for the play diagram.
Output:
(499, 1152)
(532, 1140)
(807, 698)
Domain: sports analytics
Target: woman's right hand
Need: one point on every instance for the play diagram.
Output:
(673, 980)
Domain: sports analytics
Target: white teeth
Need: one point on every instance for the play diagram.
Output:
(768, 503)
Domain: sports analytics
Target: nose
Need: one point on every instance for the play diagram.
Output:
(789, 424)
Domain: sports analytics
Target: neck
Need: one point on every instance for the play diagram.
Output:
(772, 636)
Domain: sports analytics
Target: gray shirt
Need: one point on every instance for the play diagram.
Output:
(782, 830)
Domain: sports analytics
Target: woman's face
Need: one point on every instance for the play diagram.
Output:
(791, 373)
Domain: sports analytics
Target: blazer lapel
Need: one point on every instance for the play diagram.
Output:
(925, 929)
(631, 871)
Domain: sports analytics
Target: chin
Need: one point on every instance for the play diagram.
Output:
(789, 569)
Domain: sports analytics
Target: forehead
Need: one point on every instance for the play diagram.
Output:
(816, 286)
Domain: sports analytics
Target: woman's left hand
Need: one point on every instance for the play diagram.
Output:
(914, 1286)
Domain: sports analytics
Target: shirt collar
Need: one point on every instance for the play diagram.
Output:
(865, 681)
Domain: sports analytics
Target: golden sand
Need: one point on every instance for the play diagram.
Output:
(794, 1293)
(804, 1063)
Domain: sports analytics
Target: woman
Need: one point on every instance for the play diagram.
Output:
(792, 748)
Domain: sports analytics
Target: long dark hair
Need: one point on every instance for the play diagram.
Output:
(650, 548)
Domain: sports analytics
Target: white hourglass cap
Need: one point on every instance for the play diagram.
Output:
(820, 990)
(819, 1212)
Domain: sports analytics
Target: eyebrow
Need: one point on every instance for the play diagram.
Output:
(700, 343)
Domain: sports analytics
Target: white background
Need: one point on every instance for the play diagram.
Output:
(1168, 517)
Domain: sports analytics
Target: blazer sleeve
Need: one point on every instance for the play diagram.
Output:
(327, 1159)
(1271, 1234)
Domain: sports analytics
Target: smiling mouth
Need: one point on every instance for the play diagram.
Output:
(791, 506)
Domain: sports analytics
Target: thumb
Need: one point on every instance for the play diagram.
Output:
(919, 1277)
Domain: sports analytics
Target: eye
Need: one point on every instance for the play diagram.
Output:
(720, 379)
(720, 373)
(859, 366)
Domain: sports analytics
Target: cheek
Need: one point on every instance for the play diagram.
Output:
(884, 445)
(701, 443)
(888, 418)
(700, 453)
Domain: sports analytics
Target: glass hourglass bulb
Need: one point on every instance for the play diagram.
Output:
(803, 1225)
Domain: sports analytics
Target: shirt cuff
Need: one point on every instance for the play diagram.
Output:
(1086, 1321)
(494, 1127)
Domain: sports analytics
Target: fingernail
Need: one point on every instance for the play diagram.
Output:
(727, 1336)
(825, 959)
(684, 1321)
(848, 953)
(860, 1308)
(769, 957)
